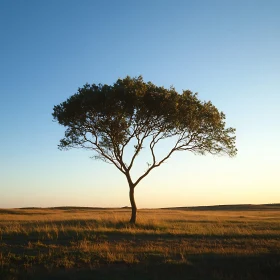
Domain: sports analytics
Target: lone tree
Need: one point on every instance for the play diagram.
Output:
(116, 122)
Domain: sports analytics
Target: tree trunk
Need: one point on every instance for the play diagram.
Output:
(133, 205)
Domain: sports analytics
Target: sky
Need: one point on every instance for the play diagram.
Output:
(227, 51)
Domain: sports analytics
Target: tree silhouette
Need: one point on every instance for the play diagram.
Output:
(132, 114)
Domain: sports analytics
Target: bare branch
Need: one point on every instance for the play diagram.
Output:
(96, 147)
(138, 149)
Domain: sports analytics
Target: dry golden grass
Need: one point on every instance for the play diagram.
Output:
(87, 239)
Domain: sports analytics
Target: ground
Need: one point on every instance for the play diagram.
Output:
(224, 242)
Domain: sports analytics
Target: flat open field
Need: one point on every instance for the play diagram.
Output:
(194, 243)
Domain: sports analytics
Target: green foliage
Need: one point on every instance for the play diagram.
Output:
(107, 119)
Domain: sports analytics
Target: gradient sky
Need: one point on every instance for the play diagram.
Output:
(227, 51)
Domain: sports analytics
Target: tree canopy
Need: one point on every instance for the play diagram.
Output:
(108, 119)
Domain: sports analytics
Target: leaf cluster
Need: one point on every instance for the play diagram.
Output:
(106, 118)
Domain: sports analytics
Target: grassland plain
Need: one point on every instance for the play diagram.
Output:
(225, 242)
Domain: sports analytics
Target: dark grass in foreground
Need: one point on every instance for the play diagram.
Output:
(73, 243)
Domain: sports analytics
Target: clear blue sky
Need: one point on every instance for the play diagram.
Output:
(227, 51)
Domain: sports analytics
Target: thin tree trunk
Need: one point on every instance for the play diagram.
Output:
(131, 198)
(133, 205)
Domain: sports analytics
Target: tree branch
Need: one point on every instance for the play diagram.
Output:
(102, 153)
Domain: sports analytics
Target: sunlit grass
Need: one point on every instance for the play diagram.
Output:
(75, 238)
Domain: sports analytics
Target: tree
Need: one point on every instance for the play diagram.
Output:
(111, 120)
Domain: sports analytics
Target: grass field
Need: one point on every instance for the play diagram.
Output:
(230, 242)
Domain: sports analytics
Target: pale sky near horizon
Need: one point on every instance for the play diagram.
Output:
(227, 51)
